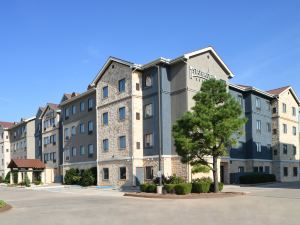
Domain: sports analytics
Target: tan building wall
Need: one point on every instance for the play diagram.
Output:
(4, 152)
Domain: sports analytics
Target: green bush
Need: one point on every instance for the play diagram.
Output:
(143, 187)
(174, 180)
(1, 179)
(38, 182)
(201, 187)
(151, 188)
(2, 203)
(183, 189)
(212, 187)
(170, 188)
(72, 177)
(15, 177)
(26, 181)
(203, 179)
(254, 178)
(7, 178)
(87, 178)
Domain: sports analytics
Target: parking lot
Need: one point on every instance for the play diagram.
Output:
(267, 204)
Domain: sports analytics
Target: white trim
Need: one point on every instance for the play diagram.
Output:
(80, 163)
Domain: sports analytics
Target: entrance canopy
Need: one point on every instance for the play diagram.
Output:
(26, 164)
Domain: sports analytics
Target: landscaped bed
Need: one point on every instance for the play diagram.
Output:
(188, 196)
(4, 206)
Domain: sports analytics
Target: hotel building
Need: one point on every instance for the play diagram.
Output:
(4, 148)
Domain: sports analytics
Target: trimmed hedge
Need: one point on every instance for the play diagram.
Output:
(149, 188)
(201, 187)
(183, 189)
(212, 187)
(254, 178)
(169, 188)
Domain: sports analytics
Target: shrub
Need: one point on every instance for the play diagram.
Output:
(87, 178)
(15, 177)
(143, 187)
(174, 180)
(151, 188)
(203, 179)
(94, 172)
(7, 178)
(2, 203)
(1, 179)
(26, 181)
(254, 178)
(183, 189)
(201, 187)
(170, 188)
(72, 177)
(38, 182)
(212, 187)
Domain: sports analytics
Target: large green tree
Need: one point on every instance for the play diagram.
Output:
(210, 128)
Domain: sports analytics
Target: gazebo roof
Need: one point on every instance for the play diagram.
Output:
(26, 163)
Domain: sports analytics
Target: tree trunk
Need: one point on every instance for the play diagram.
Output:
(215, 174)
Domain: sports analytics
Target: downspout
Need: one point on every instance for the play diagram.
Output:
(159, 122)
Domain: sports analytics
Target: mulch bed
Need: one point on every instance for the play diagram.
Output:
(189, 196)
(5, 208)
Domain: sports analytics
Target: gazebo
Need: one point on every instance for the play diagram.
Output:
(34, 169)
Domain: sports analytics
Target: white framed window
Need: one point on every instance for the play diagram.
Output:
(258, 103)
(81, 128)
(74, 151)
(258, 146)
(149, 140)
(90, 127)
(82, 106)
(73, 109)
(258, 126)
(122, 173)
(90, 150)
(82, 150)
(73, 130)
(284, 128)
(148, 110)
(148, 80)
(105, 174)
(283, 107)
(294, 131)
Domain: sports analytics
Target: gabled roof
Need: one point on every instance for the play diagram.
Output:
(6, 124)
(162, 60)
(16, 124)
(52, 106)
(246, 88)
(279, 91)
(77, 96)
(26, 163)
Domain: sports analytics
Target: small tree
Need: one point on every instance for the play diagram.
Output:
(210, 128)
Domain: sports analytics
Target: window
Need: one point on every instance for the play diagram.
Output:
(73, 131)
(122, 85)
(122, 173)
(294, 150)
(285, 171)
(275, 151)
(240, 99)
(137, 116)
(267, 169)
(122, 113)
(105, 92)
(90, 150)
(82, 150)
(90, 104)
(268, 127)
(258, 146)
(67, 113)
(294, 111)
(138, 145)
(149, 172)
(285, 149)
(105, 174)
(269, 147)
(255, 169)
(90, 127)
(148, 140)
(258, 126)
(73, 151)
(274, 131)
(66, 133)
(295, 171)
(105, 118)
(261, 169)
(105, 145)
(283, 107)
(148, 111)
(274, 110)
(148, 80)
(81, 128)
(241, 169)
(258, 103)
(137, 86)
(67, 154)
(82, 106)
(73, 109)
(294, 131)
(268, 106)
(284, 128)
(122, 142)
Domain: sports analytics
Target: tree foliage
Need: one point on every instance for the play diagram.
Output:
(210, 128)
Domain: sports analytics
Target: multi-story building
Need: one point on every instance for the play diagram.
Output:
(79, 130)
(253, 151)
(22, 139)
(4, 148)
(285, 140)
(136, 107)
(38, 134)
(51, 146)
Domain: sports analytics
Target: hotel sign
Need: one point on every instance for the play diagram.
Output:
(198, 74)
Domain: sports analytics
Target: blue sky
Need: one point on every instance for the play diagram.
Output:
(51, 47)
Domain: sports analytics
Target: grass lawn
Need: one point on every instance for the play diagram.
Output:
(2, 204)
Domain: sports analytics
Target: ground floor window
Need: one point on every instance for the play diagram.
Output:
(122, 173)
(241, 169)
(149, 172)
(285, 171)
(261, 169)
(255, 169)
(105, 174)
(295, 171)
(267, 169)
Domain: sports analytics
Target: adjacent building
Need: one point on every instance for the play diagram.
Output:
(79, 130)
(4, 148)
(51, 146)
(38, 134)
